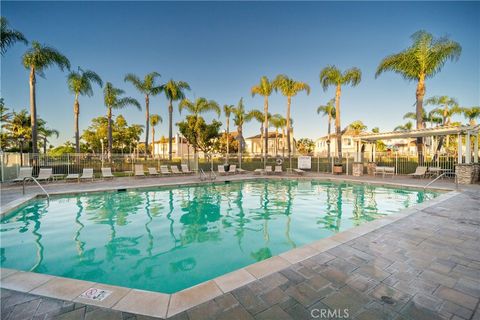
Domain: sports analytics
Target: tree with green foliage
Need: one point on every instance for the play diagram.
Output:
(332, 76)
(200, 135)
(112, 101)
(419, 62)
(37, 59)
(447, 107)
(8, 36)
(264, 88)
(329, 111)
(45, 134)
(155, 119)
(289, 88)
(259, 116)
(199, 106)
(471, 114)
(174, 91)
(278, 122)
(405, 127)
(305, 146)
(80, 83)
(227, 110)
(148, 88)
(357, 127)
(240, 117)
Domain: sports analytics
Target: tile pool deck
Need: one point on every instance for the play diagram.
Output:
(426, 260)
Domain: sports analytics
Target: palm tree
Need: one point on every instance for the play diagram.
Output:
(278, 122)
(37, 59)
(265, 89)
(289, 89)
(154, 120)
(174, 91)
(422, 60)
(80, 83)
(148, 88)
(8, 37)
(113, 100)
(471, 114)
(46, 133)
(448, 107)
(329, 111)
(357, 127)
(406, 127)
(260, 117)
(227, 110)
(200, 105)
(240, 118)
(332, 76)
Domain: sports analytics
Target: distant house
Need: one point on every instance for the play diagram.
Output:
(253, 144)
(180, 147)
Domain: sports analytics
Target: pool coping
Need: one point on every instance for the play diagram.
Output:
(155, 304)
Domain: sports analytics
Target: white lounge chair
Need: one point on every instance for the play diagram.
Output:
(45, 174)
(300, 172)
(107, 173)
(233, 169)
(87, 174)
(268, 170)
(139, 171)
(240, 170)
(164, 170)
(278, 170)
(258, 171)
(221, 170)
(384, 170)
(175, 170)
(152, 171)
(72, 176)
(185, 169)
(25, 172)
(420, 172)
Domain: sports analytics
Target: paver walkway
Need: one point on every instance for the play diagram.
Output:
(424, 266)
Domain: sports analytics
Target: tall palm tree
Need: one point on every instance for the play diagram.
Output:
(278, 122)
(471, 114)
(37, 59)
(422, 60)
(329, 111)
(289, 88)
(174, 91)
(240, 118)
(357, 127)
(155, 119)
(113, 100)
(264, 88)
(46, 133)
(227, 110)
(148, 88)
(332, 76)
(80, 83)
(199, 106)
(260, 117)
(8, 37)
(447, 107)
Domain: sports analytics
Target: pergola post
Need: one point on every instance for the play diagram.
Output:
(374, 153)
(468, 151)
(459, 147)
(475, 149)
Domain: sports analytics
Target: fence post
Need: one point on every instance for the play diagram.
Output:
(318, 164)
(396, 163)
(68, 163)
(346, 173)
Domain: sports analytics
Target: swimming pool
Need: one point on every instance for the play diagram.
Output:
(167, 239)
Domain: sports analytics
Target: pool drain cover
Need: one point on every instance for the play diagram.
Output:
(387, 300)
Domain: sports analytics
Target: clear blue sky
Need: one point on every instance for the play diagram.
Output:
(223, 48)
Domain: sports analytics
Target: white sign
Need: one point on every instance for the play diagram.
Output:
(304, 162)
(96, 294)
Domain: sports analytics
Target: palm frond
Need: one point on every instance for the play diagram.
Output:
(330, 76)
(8, 37)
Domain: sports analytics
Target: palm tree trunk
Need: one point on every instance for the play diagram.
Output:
(289, 101)
(228, 137)
(265, 110)
(338, 129)
(261, 139)
(109, 127)
(170, 129)
(153, 141)
(33, 110)
(276, 142)
(284, 142)
(240, 138)
(329, 133)
(76, 113)
(147, 123)
(419, 112)
(45, 145)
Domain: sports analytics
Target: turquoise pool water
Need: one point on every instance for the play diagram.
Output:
(168, 239)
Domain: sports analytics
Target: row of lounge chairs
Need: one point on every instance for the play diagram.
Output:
(232, 170)
(420, 171)
(46, 174)
(276, 170)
